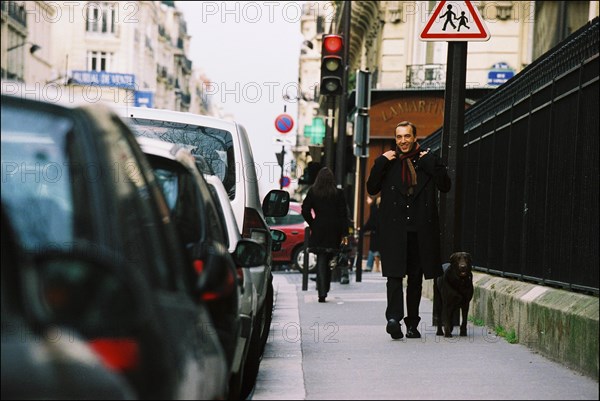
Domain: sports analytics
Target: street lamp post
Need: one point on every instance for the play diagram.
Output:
(34, 48)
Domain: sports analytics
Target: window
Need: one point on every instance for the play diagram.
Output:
(99, 61)
(213, 145)
(36, 178)
(100, 17)
(134, 205)
(320, 24)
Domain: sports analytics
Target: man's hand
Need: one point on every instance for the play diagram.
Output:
(390, 154)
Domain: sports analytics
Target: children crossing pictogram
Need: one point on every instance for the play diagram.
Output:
(455, 21)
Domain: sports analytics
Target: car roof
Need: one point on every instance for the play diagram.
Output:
(174, 116)
(51, 93)
(167, 150)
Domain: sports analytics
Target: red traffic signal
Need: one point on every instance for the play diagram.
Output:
(332, 65)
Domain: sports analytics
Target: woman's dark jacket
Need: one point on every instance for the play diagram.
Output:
(371, 225)
(397, 210)
(330, 223)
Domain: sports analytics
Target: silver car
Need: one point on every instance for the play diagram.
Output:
(248, 299)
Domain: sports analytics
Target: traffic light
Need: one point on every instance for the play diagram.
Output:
(332, 65)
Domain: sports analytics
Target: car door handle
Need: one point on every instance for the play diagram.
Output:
(294, 232)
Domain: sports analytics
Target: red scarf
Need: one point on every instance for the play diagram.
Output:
(409, 175)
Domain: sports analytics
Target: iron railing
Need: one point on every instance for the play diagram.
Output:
(531, 181)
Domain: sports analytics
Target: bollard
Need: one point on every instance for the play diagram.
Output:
(305, 267)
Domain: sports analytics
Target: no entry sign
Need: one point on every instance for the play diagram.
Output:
(284, 123)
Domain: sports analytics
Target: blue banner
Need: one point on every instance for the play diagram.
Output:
(103, 78)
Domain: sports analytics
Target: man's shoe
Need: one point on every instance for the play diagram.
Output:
(322, 299)
(412, 332)
(393, 329)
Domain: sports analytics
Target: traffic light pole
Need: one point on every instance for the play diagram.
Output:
(340, 161)
(329, 132)
(362, 166)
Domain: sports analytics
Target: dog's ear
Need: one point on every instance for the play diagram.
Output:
(453, 257)
(469, 258)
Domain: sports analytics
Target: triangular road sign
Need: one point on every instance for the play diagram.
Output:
(455, 21)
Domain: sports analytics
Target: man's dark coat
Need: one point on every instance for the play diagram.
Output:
(395, 208)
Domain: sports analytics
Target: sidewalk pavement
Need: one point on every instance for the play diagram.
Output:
(340, 350)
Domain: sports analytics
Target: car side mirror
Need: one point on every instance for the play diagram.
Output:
(278, 238)
(249, 253)
(276, 203)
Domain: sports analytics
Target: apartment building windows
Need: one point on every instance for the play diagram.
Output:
(99, 61)
(101, 17)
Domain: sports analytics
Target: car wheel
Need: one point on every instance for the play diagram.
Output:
(298, 260)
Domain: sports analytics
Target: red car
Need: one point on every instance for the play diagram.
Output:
(292, 249)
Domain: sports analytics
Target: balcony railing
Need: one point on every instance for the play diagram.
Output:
(15, 11)
(426, 76)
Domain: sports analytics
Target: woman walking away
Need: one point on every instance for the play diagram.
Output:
(327, 227)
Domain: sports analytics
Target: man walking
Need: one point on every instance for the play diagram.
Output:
(409, 230)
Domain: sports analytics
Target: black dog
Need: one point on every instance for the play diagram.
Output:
(453, 291)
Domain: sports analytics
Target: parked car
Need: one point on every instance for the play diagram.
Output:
(200, 219)
(41, 360)
(248, 304)
(200, 232)
(225, 147)
(75, 178)
(292, 249)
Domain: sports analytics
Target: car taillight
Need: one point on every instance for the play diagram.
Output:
(118, 354)
(199, 266)
(223, 292)
(253, 222)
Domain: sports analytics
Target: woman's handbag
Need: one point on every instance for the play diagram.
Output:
(341, 258)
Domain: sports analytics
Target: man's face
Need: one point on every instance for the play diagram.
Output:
(405, 140)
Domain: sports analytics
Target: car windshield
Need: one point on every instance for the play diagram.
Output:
(213, 148)
(36, 180)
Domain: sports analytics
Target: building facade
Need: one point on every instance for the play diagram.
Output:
(131, 52)
(408, 75)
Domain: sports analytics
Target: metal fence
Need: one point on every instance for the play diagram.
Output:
(531, 182)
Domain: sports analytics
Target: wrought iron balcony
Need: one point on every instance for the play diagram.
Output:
(16, 11)
(426, 76)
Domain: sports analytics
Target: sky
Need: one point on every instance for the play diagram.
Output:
(250, 52)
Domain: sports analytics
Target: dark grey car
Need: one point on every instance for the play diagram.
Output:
(75, 178)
